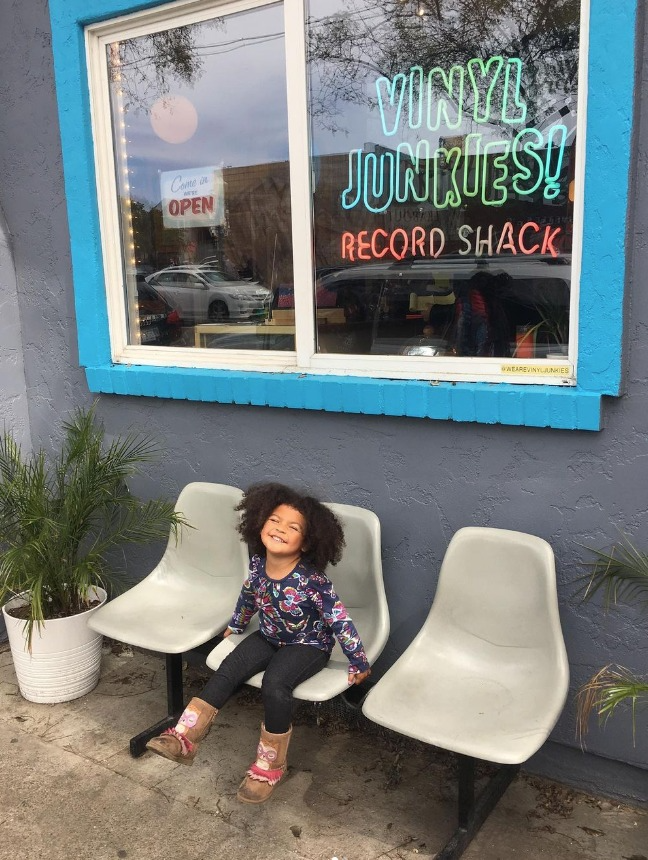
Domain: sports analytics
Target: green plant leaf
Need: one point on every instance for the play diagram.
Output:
(63, 515)
(620, 573)
(605, 691)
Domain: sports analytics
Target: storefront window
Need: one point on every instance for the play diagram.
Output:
(439, 158)
(428, 197)
(199, 118)
(443, 141)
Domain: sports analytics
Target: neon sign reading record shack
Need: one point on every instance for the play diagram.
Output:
(481, 170)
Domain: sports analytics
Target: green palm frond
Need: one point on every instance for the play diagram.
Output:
(605, 691)
(619, 574)
(62, 517)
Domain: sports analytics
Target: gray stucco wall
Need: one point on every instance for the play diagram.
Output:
(14, 413)
(424, 479)
(13, 402)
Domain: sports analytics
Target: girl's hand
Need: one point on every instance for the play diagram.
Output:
(227, 632)
(359, 677)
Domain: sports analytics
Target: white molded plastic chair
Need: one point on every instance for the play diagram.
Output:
(189, 597)
(358, 581)
(487, 675)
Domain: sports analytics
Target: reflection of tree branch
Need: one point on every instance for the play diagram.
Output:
(345, 45)
(147, 65)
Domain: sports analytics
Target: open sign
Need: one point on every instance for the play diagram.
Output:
(192, 198)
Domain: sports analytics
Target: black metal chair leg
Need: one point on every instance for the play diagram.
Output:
(175, 687)
(466, 789)
(175, 706)
(472, 813)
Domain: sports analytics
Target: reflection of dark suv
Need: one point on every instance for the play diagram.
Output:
(454, 305)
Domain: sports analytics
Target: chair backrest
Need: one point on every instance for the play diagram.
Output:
(213, 545)
(498, 586)
(358, 576)
(358, 579)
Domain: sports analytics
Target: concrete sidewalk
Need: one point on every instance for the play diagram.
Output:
(70, 789)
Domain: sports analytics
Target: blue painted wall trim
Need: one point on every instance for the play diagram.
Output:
(539, 406)
(609, 124)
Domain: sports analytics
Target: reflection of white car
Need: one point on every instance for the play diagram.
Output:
(204, 294)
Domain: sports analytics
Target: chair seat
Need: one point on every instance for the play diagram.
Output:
(330, 681)
(487, 674)
(188, 598)
(466, 707)
(162, 614)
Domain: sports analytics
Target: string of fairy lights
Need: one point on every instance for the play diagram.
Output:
(124, 196)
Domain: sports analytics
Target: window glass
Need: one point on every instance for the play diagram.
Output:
(199, 119)
(443, 137)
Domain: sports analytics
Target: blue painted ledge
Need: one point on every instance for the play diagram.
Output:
(487, 403)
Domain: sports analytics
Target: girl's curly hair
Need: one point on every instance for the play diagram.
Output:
(324, 534)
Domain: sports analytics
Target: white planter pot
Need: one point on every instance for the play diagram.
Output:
(65, 657)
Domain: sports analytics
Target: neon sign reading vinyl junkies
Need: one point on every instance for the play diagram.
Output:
(487, 171)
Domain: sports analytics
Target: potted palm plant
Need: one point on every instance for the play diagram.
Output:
(619, 574)
(551, 332)
(61, 518)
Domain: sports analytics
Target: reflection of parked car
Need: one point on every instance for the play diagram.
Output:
(454, 305)
(204, 294)
(160, 324)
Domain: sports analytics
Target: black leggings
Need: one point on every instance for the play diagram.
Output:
(285, 667)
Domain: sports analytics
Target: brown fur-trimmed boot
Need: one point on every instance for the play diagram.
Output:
(180, 744)
(267, 770)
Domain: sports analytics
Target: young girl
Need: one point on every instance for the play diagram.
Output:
(293, 538)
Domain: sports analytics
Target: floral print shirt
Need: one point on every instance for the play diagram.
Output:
(300, 609)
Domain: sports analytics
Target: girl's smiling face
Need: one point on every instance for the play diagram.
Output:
(284, 532)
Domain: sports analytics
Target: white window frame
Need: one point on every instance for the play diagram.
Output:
(304, 358)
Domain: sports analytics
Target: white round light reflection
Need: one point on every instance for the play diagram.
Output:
(174, 119)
